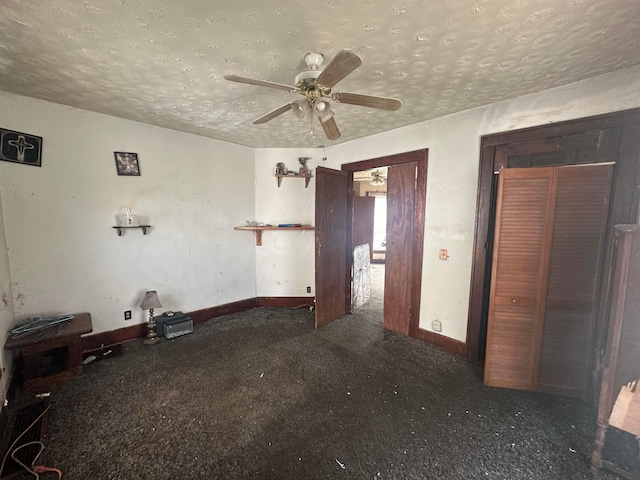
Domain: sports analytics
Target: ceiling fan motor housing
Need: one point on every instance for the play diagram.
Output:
(306, 79)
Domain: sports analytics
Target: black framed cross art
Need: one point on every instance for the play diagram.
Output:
(20, 147)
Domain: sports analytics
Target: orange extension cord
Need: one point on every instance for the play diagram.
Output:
(35, 470)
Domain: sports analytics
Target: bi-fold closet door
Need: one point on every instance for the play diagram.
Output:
(549, 236)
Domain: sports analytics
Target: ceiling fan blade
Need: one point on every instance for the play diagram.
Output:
(273, 114)
(330, 128)
(261, 83)
(342, 65)
(367, 101)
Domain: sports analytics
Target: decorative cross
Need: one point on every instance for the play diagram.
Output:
(21, 145)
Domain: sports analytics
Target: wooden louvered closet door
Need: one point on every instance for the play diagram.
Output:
(519, 270)
(550, 228)
(578, 231)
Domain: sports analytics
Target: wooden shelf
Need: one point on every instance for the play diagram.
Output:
(121, 227)
(307, 178)
(258, 230)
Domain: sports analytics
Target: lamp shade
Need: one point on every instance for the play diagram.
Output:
(301, 109)
(150, 300)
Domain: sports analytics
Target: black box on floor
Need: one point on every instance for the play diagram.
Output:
(173, 324)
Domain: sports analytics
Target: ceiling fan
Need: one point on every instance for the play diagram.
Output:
(315, 86)
(377, 179)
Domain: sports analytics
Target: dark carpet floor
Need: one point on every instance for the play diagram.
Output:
(263, 395)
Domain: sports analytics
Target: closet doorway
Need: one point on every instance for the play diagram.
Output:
(547, 255)
(612, 138)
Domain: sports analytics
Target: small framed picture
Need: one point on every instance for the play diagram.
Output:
(127, 164)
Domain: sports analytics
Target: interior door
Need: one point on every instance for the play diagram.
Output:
(401, 208)
(363, 215)
(576, 250)
(331, 244)
(519, 268)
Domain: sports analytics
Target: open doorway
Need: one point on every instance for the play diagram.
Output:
(406, 207)
(404, 238)
(369, 232)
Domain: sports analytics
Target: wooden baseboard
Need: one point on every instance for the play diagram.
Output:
(199, 316)
(286, 301)
(103, 340)
(100, 341)
(449, 344)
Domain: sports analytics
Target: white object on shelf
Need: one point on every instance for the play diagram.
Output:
(128, 220)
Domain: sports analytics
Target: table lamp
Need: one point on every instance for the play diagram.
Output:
(149, 302)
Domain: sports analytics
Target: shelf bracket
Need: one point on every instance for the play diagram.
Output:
(258, 230)
(307, 178)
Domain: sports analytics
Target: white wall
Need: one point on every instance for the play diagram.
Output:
(285, 263)
(65, 257)
(6, 310)
(453, 142)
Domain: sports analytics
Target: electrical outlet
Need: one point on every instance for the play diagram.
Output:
(308, 289)
(436, 325)
(127, 314)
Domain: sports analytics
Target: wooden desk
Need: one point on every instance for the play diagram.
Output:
(53, 359)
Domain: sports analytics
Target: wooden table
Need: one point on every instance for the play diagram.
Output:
(52, 358)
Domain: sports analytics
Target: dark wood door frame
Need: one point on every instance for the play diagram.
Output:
(625, 197)
(419, 156)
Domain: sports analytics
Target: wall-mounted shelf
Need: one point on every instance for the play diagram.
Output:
(258, 230)
(307, 178)
(119, 228)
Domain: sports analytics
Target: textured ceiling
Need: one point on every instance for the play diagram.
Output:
(163, 62)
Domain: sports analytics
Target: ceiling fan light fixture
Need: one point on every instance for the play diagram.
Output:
(301, 109)
(321, 106)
